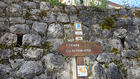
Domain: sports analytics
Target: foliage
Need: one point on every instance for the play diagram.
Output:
(107, 23)
(115, 50)
(102, 4)
(137, 13)
(27, 15)
(47, 45)
(54, 2)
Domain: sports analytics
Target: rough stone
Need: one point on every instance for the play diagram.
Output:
(51, 17)
(98, 71)
(133, 73)
(116, 43)
(4, 71)
(35, 11)
(130, 42)
(55, 43)
(16, 20)
(20, 29)
(53, 61)
(5, 54)
(55, 31)
(70, 9)
(129, 53)
(120, 33)
(44, 6)
(136, 21)
(2, 4)
(113, 72)
(62, 18)
(138, 42)
(68, 32)
(73, 18)
(133, 30)
(8, 39)
(40, 27)
(127, 63)
(15, 10)
(30, 4)
(107, 57)
(32, 40)
(123, 22)
(16, 63)
(33, 53)
(29, 69)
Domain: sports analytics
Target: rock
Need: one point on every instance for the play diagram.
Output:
(33, 53)
(42, 76)
(70, 9)
(15, 10)
(98, 71)
(16, 20)
(122, 12)
(44, 6)
(127, 63)
(106, 33)
(120, 33)
(4, 71)
(62, 17)
(53, 61)
(107, 57)
(16, 63)
(86, 33)
(116, 43)
(133, 30)
(123, 22)
(138, 42)
(30, 4)
(73, 18)
(8, 39)
(68, 32)
(5, 54)
(133, 73)
(51, 17)
(130, 42)
(20, 29)
(96, 30)
(113, 72)
(136, 21)
(2, 4)
(29, 69)
(55, 43)
(55, 31)
(40, 27)
(35, 11)
(32, 40)
(129, 53)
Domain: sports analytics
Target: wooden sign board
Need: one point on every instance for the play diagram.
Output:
(80, 48)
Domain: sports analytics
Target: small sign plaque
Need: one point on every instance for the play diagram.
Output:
(78, 33)
(78, 38)
(78, 26)
(82, 70)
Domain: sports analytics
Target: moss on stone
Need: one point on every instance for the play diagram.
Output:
(3, 46)
(47, 45)
(27, 15)
(43, 13)
(137, 13)
(115, 50)
(4, 61)
(106, 65)
(107, 23)
(45, 53)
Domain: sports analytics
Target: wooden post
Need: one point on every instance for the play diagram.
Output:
(78, 33)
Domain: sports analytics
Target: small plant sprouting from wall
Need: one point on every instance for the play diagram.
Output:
(137, 13)
(115, 50)
(107, 23)
(27, 15)
(54, 2)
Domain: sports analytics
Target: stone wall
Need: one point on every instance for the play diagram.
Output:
(31, 31)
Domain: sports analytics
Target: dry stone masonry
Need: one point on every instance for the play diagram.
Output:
(32, 30)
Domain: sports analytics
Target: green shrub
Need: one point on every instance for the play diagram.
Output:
(54, 2)
(103, 4)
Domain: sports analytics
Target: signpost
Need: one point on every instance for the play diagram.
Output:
(79, 49)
